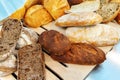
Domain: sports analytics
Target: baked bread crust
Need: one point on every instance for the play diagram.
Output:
(37, 16)
(79, 19)
(54, 42)
(56, 7)
(83, 54)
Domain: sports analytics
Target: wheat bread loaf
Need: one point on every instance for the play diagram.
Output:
(31, 64)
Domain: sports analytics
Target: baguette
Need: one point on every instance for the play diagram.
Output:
(85, 6)
(83, 54)
(99, 35)
(79, 19)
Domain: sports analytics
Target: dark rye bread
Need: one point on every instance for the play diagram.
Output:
(10, 33)
(31, 64)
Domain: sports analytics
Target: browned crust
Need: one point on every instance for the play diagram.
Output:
(83, 54)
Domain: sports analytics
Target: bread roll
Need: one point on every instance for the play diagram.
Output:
(85, 6)
(83, 54)
(54, 42)
(56, 7)
(37, 16)
(79, 19)
(99, 35)
(18, 14)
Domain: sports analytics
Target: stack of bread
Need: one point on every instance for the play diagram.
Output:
(85, 24)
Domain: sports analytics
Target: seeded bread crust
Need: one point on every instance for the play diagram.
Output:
(31, 63)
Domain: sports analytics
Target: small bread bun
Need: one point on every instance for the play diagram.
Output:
(56, 8)
(73, 2)
(118, 18)
(37, 16)
(18, 14)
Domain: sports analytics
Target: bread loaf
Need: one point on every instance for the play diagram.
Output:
(37, 16)
(109, 11)
(99, 35)
(85, 6)
(10, 34)
(27, 37)
(83, 54)
(79, 19)
(56, 7)
(31, 64)
(8, 66)
(54, 42)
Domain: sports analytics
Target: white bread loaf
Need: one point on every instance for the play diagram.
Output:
(99, 35)
(79, 19)
(8, 66)
(27, 37)
(85, 6)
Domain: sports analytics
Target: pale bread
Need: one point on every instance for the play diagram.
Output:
(99, 35)
(8, 66)
(27, 37)
(85, 6)
(79, 19)
(109, 11)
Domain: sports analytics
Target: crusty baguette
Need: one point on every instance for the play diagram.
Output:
(31, 64)
(83, 54)
(10, 34)
(79, 19)
(8, 66)
(99, 35)
(109, 11)
(85, 6)
(28, 36)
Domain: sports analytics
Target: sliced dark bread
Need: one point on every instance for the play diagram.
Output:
(10, 33)
(31, 64)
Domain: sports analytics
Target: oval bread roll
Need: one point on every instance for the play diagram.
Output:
(56, 7)
(99, 35)
(79, 19)
(37, 16)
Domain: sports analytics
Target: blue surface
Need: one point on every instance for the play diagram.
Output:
(7, 7)
(110, 69)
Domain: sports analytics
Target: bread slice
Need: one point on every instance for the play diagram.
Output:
(31, 64)
(85, 6)
(99, 35)
(10, 34)
(8, 66)
(117, 1)
(109, 11)
(27, 37)
(79, 19)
